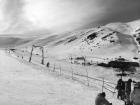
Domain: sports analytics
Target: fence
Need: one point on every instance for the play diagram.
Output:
(85, 79)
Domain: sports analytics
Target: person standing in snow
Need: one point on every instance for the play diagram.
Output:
(121, 89)
(118, 87)
(135, 94)
(48, 65)
(128, 89)
(101, 100)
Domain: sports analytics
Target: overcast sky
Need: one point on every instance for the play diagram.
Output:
(52, 16)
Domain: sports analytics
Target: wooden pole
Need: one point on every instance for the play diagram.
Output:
(31, 54)
(54, 68)
(87, 78)
(72, 73)
(103, 85)
(84, 60)
(60, 69)
(42, 61)
(71, 59)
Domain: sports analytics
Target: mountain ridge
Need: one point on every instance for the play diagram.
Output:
(111, 40)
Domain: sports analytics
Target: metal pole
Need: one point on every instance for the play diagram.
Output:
(54, 68)
(31, 54)
(60, 69)
(87, 78)
(103, 85)
(72, 72)
(42, 62)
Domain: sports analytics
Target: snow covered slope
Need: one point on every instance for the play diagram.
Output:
(23, 85)
(106, 42)
(26, 85)
(110, 41)
(129, 28)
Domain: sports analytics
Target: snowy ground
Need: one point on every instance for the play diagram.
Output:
(21, 84)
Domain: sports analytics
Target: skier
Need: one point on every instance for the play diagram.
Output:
(101, 100)
(48, 65)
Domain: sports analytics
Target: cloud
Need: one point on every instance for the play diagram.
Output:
(23, 16)
(12, 17)
(37, 16)
(11, 12)
(62, 15)
(120, 11)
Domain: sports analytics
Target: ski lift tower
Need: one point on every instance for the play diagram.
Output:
(42, 51)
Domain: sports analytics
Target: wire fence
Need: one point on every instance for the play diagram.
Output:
(85, 79)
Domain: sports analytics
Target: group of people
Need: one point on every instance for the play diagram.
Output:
(124, 89)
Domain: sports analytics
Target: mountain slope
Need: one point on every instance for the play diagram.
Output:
(104, 42)
(97, 42)
(13, 42)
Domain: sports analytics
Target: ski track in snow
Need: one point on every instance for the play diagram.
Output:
(21, 84)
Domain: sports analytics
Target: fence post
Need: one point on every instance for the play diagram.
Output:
(103, 85)
(60, 69)
(31, 54)
(72, 73)
(42, 61)
(114, 91)
(54, 68)
(87, 78)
